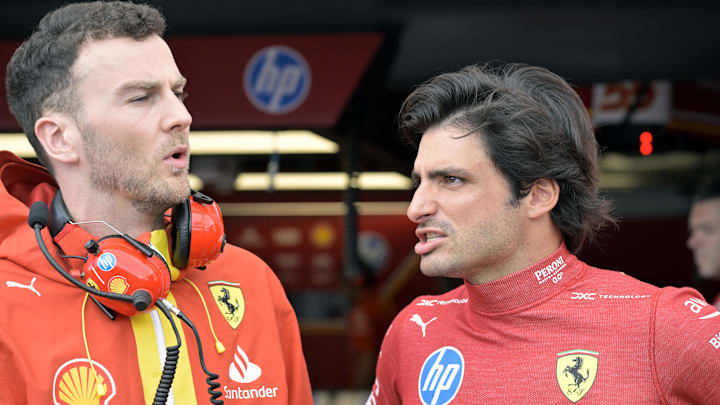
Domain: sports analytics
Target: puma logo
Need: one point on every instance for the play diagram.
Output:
(416, 318)
(27, 287)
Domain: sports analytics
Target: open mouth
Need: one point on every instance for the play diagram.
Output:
(178, 157)
(179, 152)
(429, 240)
(431, 236)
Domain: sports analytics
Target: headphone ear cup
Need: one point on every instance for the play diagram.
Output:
(182, 224)
(128, 271)
(208, 231)
(59, 215)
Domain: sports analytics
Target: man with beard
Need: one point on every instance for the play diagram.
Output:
(506, 191)
(100, 98)
(704, 240)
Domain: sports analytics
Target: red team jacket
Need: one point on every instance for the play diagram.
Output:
(557, 332)
(43, 355)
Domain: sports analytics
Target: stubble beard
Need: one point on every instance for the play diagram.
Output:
(119, 169)
(474, 253)
(459, 256)
(441, 262)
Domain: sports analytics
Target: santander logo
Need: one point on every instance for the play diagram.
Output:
(242, 370)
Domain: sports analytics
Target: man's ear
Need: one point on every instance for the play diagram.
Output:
(58, 136)
(543, 196)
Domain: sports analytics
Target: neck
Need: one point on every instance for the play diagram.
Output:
(537, 243)
(92, 205)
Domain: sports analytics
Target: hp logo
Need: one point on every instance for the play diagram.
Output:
(277, 80)
(441, 376)
(106, 261)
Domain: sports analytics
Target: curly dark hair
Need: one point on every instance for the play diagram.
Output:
(39, 75)
(533, 125)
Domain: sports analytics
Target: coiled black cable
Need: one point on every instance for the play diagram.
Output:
(212, 384)
(171, 361)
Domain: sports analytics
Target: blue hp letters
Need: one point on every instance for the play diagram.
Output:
(277, 80)
(441, 376)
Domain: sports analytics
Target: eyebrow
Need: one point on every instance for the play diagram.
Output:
(149, 84)
(443, 172)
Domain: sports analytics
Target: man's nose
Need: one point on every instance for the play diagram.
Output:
(177, 117)
(423, 205)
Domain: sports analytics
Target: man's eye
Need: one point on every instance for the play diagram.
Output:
(181, 95)
(139, 99)
(453, 180)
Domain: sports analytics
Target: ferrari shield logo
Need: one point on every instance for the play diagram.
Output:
(576, 371)
(92, 284)
(230, 301)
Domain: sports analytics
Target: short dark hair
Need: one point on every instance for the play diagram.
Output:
(533, 126)
(709, 189)
(39, 76)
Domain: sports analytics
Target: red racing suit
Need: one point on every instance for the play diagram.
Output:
(557, 332)
(42, 351)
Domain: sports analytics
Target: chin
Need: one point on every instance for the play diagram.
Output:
(430, 269)
(707, 273)
(180, 190)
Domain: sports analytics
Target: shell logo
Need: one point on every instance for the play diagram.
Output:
(76, 384)
(118, 284)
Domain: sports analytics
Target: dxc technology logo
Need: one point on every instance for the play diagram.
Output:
(441, 376)
(277, 79)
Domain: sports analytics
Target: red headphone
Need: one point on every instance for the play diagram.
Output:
(129, 274)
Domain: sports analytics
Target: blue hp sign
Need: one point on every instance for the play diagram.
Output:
(277, 79)
(106, 261)
(441, 376)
